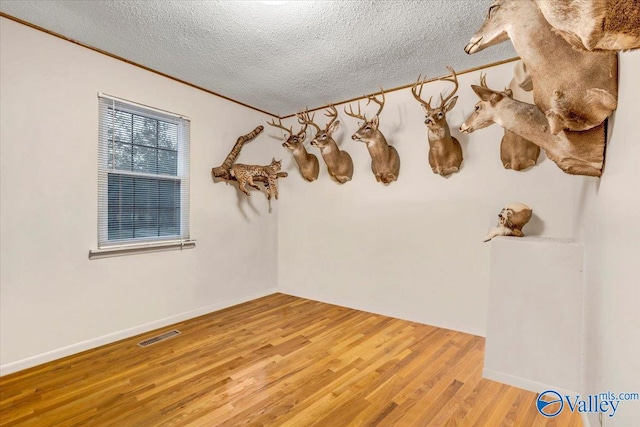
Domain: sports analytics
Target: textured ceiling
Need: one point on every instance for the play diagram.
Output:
(276, 58)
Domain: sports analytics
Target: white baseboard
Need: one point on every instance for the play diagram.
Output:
(523, 383)
(530, 385)
(59, 353)
(384, 312)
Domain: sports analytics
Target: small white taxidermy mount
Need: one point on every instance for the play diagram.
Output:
(511, 219)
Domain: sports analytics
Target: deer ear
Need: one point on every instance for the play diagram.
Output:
(451, 104)
(334, 126)
(495, 97)
(487, 94)
(426, 110)
(483, 92)
(375, 121)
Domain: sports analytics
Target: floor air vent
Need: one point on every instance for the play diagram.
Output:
(157, 338)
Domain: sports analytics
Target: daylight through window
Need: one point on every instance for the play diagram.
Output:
(143, 174)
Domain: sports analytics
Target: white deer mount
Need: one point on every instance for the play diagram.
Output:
(445, 153)
(577, 153)
(308, 164)
(576, 90)
(339, 163)
(385, 161)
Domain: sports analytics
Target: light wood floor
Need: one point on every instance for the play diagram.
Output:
(275, 361)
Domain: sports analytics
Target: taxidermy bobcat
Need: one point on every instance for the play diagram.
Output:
(244, 174)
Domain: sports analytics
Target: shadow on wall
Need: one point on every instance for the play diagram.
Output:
(535, 226)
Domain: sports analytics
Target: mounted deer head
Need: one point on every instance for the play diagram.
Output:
(580, 97)
(595, 25)
(445, 153)
(339, 163)
(577, 153)
(307, 163)
(516, 152)
(385, 160)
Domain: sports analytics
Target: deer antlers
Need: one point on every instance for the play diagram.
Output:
(370, 98)
(483, 83)
(290, 129)
(332, 114)
(280, 126)
(483, 80)
(417, 91)
(453, 79)
(304, 118)
(357, 115)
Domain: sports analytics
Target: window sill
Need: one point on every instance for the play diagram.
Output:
(143, 248)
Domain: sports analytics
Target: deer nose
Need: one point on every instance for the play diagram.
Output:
(473, 46)
(354, 137)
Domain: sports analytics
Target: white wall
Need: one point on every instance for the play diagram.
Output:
(54, 300)
(607, 213)
(534, 327)
(413, 249)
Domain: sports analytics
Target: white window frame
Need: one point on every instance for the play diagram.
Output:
(108, 247)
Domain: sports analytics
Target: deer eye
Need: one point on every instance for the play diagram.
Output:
(477, 107)
(367, 128)
(440, 115)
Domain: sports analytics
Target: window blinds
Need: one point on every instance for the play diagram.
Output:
(143, 174)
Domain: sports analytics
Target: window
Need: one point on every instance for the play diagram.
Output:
(143, 175)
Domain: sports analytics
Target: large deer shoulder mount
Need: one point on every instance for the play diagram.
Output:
(308, 164)
(385, 161)
(575, 89)
(445, 153)
(339, 163)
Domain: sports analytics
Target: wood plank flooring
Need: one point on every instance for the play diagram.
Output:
(275, 361)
